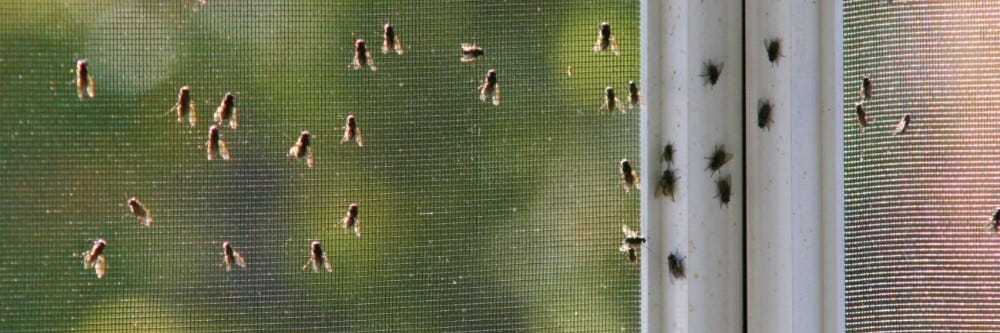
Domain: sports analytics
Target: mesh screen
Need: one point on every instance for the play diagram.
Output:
(919, 254)
(474, 217)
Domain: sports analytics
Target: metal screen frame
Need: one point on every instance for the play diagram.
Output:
(794, 273)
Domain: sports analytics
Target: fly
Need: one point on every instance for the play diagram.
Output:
(84, 80)
(631, 243)
(995, 221)
(140, 211)
(471, 52)
(318, 258)
(675, 262)
(227, 111)
(302, 148)
(362, 57)
(611, 101)
(866, 88)
(668, 153)
(764, 108)
(185, 106)
(902, 125)
(215, 145)
(711, 72)
(718, 158)
(352, 131)
(773, 47)
(859, 110)
(723, 190)
(230, 256)
(605, 40)
(95, 258)
(668, 181)
(350, 220)
(629, 177)
(390, 41)
(490, 88)
(633, 94)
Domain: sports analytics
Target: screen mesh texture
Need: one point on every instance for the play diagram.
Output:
(475, 218)
(919, 254)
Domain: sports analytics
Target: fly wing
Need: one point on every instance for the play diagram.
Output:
(227, 262)
(148, 220)
(209, 149)
(223, 150)
(326, 264)
(233, 119)
(192, 115)
(483, 93)
(357, 227)
(218, 114)
(628, 231)
(357, 137)
(239, 259)
(371, 61)
(294, 152)
(91, 88)
(496, 94)
(613, 45)
(598, 46)
(312, 261)
(399, 46)
(355, 63)
(100, 266)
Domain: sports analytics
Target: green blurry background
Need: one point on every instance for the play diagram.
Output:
(475, 217)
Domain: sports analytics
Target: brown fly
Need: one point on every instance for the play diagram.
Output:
(140, 211)
(185, 106)
(605, 40)
(352, 131)
(350, 220)
(859, 110)
(668, 153)
(490, 88)
(227, 111)
(866, 88)
(390, 41)
(773, 47)
(318, 259)
(95, 258)
(362, 57)
(675, 262)
(230, 256)
(302, 148)
(215, 145)
(471, 52)
(84, 80)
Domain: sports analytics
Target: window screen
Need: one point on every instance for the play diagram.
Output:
(919, 254)
(473, 217)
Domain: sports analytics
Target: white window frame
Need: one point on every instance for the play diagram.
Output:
(794, 172)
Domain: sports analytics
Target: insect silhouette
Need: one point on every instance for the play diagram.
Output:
(668, 153)
(859, 110)
(215, 145)
(611, 101)
(140, 211)
(631, 243)
(350, 220)
(84, 80)
(605, 40)
(352, 131)
(390, 41)
(764, 108)
(490, 88)
(633, 94)
(95, 258)
(902, 125)
(227, 111)
(302, 148)
(471, 52)
(675, 262)
(711, 72)
(668, 181)
(723, 190)
(629, 177)
(718, 158)
(185, 106)
(318, 258)
(362, 57)
(866, 88)
(773, 47)
(230, 256)
(995, 220)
